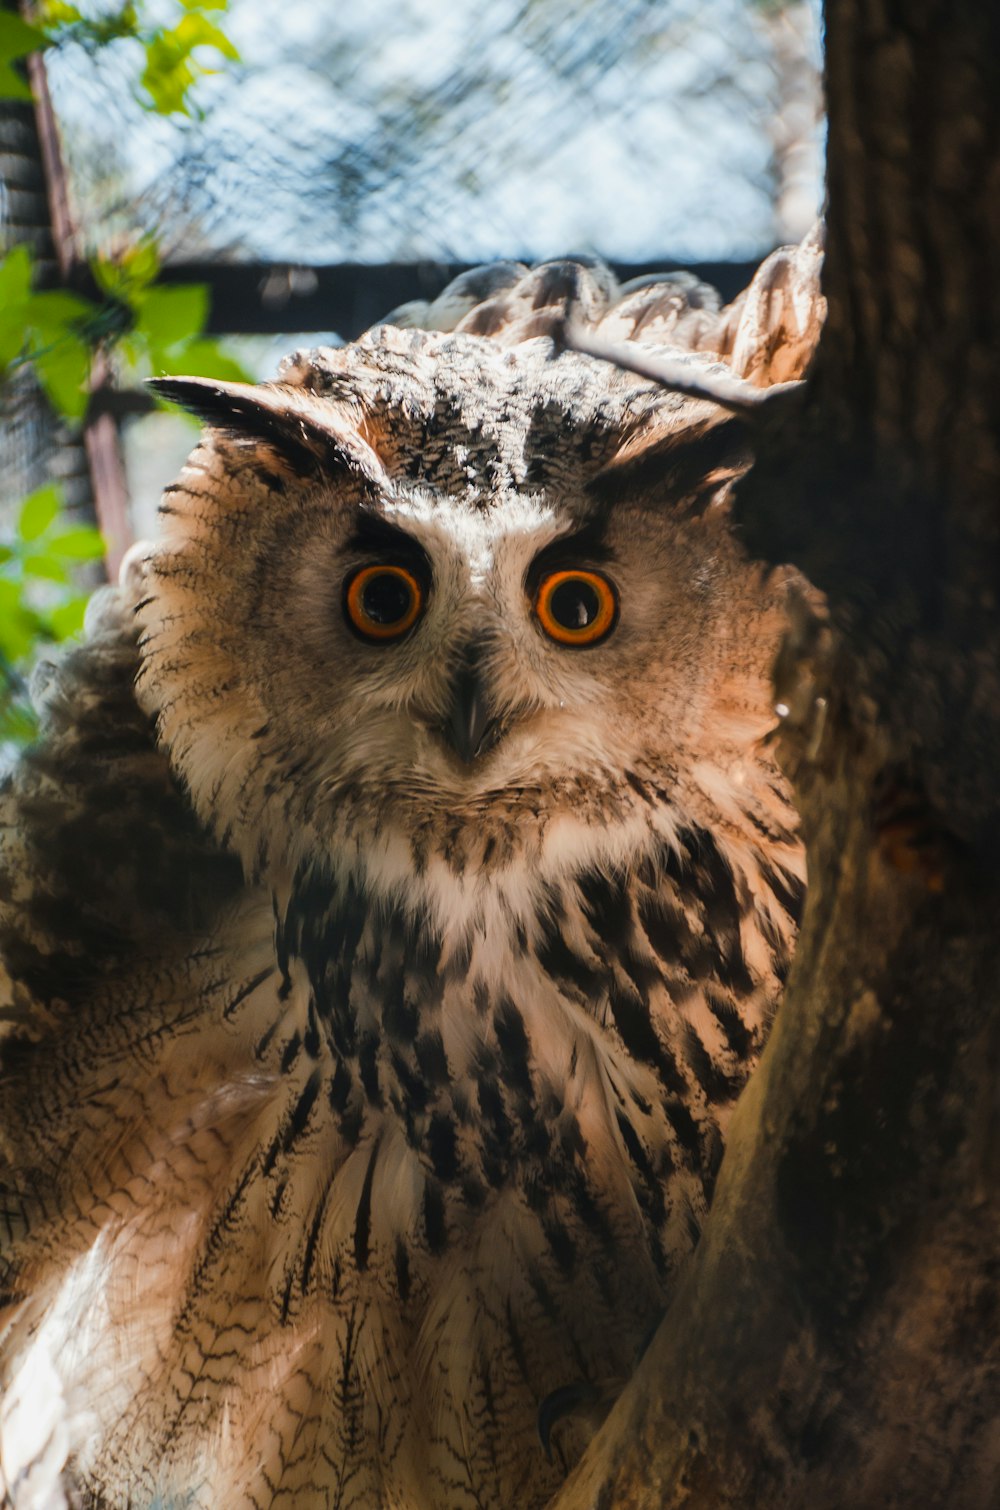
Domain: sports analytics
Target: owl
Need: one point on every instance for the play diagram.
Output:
(393, 908)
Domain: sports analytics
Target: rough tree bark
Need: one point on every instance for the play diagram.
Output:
(835, 1341)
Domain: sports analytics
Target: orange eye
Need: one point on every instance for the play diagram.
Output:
(576, 607)
(382, 602)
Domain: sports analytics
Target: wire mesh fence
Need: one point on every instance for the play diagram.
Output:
(353, 160)
(419, 130)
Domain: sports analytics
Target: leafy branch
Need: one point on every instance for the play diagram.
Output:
(141, 326)
(39, 601)
(175, 57)
(156, 329)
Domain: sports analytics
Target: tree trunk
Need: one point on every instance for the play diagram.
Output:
(835, 1341)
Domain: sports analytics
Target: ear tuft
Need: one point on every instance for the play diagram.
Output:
(687, 464)
(213, 401)
(271, 415)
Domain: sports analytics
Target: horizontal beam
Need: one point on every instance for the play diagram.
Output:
(268, 298)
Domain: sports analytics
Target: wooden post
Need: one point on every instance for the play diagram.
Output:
(109, 488)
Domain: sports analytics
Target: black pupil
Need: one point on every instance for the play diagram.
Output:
(386, 598)
(574, 604)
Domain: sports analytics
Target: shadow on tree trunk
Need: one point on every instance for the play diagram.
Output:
(834, 1341)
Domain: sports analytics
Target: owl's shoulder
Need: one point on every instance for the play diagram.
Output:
(101, 855)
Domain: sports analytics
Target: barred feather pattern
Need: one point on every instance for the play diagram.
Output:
(356, 1112)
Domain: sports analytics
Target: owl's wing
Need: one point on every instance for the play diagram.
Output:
(103, 868)
(99, 850)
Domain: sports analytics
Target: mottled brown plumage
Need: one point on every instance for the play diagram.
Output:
(365, 1073)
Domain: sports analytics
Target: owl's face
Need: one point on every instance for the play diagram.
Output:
(451, 601)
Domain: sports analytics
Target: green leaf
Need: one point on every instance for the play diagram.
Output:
(46, 568)
(197, 31)
(38, 511)
(206, 358)
(19, 627)
(166, 316)
(109, 276)
(67, 619)
(142, 261)
(53, 311)
(17, 38)
(63, 371)
(12, 86)
(15, 276)
(13, 335)
(167, 76)
(170, 71)
(126, 275)
(15, 293)
(10, 600)
(82, 543)
(204, 4)
(58, 13)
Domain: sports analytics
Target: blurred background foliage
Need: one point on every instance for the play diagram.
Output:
(54, 337)
(404, 131)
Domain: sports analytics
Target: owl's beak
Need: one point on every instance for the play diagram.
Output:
(470, 727)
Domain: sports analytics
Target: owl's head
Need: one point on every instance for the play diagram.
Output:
(428, 594)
